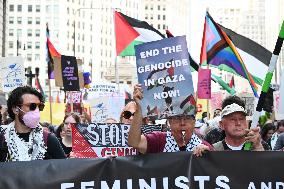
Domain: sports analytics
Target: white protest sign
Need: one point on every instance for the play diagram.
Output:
(74, 97)
(281, 94)
(12, 73)
(106, 101)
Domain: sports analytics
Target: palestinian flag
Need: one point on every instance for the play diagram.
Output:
(38, 86)
(130, 32)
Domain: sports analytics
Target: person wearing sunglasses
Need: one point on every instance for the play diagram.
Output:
(128, 112)
(24, 138)
(180, 137)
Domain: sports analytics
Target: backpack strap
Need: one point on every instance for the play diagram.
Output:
(45, 137)
(2, 140)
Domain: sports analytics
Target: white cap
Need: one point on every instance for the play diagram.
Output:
(232, 108)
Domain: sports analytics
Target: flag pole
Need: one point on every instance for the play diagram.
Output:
(267, 81)
(115, 57)
(50, 103)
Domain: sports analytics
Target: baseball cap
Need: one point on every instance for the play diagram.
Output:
(232, 108)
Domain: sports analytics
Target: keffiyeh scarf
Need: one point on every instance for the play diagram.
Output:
(172, 146)
(19, 150)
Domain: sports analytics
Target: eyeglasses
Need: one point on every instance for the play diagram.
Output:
(33, 106)
(184, 117)
(127, 114)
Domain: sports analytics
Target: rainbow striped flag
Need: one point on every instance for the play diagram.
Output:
(218, 50)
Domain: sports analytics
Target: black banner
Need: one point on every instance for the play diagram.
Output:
(222, 170)
(70, 73)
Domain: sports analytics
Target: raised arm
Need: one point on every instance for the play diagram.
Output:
(135, 139)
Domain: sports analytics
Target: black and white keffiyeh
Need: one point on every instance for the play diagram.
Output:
(172, 146)
(19, 150)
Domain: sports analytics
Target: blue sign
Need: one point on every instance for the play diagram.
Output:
(163, 69)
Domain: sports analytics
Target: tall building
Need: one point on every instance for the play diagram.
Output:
(166, 14)
(83, 28)
(2, 26)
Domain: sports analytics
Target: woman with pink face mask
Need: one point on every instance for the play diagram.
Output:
(24, 138)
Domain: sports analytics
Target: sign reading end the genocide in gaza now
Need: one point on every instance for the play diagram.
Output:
(163, 70)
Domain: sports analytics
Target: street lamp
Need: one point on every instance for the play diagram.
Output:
(74, 49)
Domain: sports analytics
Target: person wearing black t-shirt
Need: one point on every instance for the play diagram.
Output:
(24, 139)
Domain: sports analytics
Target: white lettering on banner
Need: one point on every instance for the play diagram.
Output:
(278, 184)
(116, 185)
(164, 80)
(86, 185)
(266, 186)
(201, 180)
(96, 138)
(152, 52)
(172, 49)
(165, 183)
(163, 95)
(143, 184)
(104, 135)
(181, 182)
(129, 183)
(113, 130)
(67, 185)
(251, 186)
(221, 181)
(162, 66)
(118, 151)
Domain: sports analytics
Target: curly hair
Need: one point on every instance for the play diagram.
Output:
(15, 98)
(233, 99)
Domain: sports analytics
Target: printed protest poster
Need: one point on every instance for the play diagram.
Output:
(101, 140)
(70, 73)
(204, 84)
(164, 72)
(12, 73)
(281, 94)
(216, 100)
(74, 97)
(201, 106)
(276, 100)
(106, 101)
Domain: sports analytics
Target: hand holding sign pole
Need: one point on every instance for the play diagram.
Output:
(267, 81)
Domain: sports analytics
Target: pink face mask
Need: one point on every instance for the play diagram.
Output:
(31, 118)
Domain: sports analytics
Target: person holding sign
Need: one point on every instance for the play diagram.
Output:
(179, 138)
(24, 138)
(234, 123)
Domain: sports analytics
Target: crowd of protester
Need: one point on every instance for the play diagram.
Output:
(24, 138)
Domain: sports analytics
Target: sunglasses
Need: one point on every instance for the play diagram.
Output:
(127, 114)
(33, 106)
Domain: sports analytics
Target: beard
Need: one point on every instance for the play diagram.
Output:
(20, 117)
